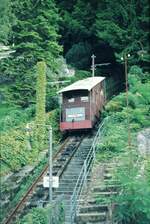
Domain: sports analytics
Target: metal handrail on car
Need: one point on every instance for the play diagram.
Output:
(83, 174)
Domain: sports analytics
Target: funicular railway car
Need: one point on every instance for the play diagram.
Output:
(81, 103)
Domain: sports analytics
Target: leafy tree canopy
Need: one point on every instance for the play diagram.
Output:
(35, 37)
(124, 25)
(6, 20)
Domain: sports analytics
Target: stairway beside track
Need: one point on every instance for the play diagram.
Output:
(70, 176)
(95, 206)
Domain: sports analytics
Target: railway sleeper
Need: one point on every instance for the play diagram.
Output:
(62, 159)
(57, 166)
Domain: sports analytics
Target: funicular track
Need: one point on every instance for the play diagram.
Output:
(61, 159)
(69, 165)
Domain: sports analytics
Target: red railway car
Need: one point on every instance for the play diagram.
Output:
(81, 103)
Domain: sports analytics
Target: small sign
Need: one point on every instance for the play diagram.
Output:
(55, 181)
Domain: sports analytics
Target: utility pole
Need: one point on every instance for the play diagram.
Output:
(93, 65)
(50, 165)
(126, 56)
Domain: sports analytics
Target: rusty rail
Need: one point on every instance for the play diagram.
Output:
(30, 190)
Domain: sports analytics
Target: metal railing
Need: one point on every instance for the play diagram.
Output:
(82, 179)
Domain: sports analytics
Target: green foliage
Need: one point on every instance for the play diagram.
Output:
(6, 20)
(138, 95)
(14, 116)
(132, 174)
(77, 21)
(140, 116)
(79, 55)
(80, 74)
(51, 98)
(15, 140)
(116, 104)
(147, 168)
(125, 26)
(133, 200)
(14, 151)
(84, 27)
(36, 216)
(53, 120)
(114, 139)
(40, 102)
(35, 38)
(136, 70)
(6, 109)
(42, 215)
(35, 33)
(24, 185)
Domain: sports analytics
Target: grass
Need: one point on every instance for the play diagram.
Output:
(5, 109)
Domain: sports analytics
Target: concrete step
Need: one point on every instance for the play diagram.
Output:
(64, 191)
(90, 201)
(111, 182)
(93, 208)
(109, 168)
(112, 187)
(104, 193)
(107, 175)
(60, 192)
(65, 196)
(70, 176)
(77, 162)
(65, 185)
(74, 168)
(68, 181)
(90, 217)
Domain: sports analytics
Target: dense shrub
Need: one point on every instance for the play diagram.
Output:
(79, 55)
(133, 202)
(36, 216)
(114, 139)
(43, 215)
(52, 102)
(15, 150)
(16, 117)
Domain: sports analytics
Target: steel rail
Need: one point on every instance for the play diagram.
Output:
(89, 160)
(71, 156)
(24, 198)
